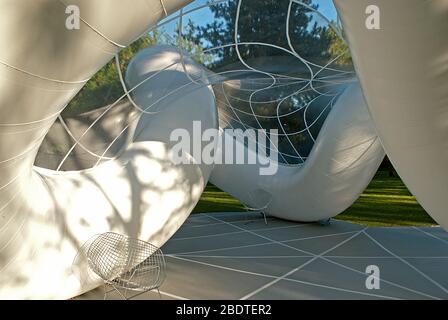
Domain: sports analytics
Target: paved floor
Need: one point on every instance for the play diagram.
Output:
(237, 256)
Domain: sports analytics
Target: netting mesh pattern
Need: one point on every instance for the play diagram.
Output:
(126, 262)
(274, 64)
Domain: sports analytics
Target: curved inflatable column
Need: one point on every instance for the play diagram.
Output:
(179, 102)
(343, 161)
(403, 70)
(45, 216)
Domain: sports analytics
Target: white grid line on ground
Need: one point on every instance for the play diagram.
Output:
(336, 263)
(408, 264)
(387, 257)
(270, 242)
(382, 279)
(237, 232)
(285, 279)
(304, 256)
(431, 235)
(239, 257)
(172, 295)
(219, 223)
(251, 294)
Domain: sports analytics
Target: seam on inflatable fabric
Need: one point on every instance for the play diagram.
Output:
(54, 115)
(12, 180)
(20, 155)
(164, 8)
(42, 77)
(103, 36)
(11, 217)
(19, 229)
(354, 162)
(10, 200)
(33, 253)
(96, 31)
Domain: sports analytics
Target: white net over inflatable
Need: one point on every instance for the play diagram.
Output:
(283, 70)
(246, 64)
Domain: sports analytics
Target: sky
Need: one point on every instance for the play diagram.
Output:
(326, 7)
(204, 15)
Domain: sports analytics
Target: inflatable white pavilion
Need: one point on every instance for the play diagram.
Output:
(335, 117)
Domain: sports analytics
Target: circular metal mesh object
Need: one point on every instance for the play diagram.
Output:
(126, 262)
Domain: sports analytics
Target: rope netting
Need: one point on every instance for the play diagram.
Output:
(272, 64)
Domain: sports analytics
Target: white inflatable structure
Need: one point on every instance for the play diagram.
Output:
(403, 69)
(345, 157)
(46, 215)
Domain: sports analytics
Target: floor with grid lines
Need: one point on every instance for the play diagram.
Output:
(237, 256)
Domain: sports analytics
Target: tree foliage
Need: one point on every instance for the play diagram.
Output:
(105, 87)
(264, 21)
(267, 22)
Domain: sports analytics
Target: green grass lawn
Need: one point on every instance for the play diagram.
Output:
(215, 200)
(386, 202)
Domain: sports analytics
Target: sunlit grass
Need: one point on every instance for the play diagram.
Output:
(215, 200)
(386, 202)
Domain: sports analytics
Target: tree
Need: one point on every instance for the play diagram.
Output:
(265, 21)
(105, 87)
(338, 48)
(185, 42)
